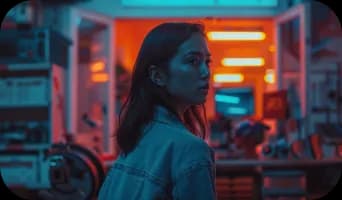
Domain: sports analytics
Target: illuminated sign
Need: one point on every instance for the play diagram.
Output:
(227, 99)
(228, 78)
(241, 62)
(235, 35)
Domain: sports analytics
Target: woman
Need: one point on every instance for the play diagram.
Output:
(161, 155)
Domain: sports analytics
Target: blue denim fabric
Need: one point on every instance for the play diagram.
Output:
(169, 162)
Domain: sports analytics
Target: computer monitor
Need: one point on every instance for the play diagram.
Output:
(234, 102)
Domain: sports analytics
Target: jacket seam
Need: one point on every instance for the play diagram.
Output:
(141, 173)
(195, 165)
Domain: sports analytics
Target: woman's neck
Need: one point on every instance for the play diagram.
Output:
(180, 109)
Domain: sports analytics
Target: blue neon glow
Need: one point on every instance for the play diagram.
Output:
(232, 3)
(168, 3)
(256, 3)
(227, 99)
(236, 110)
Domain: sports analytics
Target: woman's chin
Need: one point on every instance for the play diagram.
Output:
(200, 101)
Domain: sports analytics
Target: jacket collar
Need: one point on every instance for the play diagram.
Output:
(163, 115)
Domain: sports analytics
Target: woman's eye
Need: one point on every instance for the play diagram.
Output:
(194, 61)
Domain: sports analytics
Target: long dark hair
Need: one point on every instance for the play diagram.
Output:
(158, 48)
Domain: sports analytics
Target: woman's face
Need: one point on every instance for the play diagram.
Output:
(188, 74)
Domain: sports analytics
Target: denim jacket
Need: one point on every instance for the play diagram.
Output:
(169, 162)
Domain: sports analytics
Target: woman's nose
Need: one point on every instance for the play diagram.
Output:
(205, 72)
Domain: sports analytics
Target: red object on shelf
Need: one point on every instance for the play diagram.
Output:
(275, 105)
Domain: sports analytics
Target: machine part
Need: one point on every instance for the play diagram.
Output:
(33, 46)
(23, 133)
(269, 150)
(251, 129)
(75, 165)
(283, 148)
(30, 113)
(27, 169)
(95, 160)
(91, 123)
(24, 91)
(278, 149)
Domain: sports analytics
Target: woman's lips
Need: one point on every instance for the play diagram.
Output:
(204, 90)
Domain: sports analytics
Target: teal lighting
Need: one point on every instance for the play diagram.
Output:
(168, 3)
(236, 110)
(185, 3)
(249, 3)
(227, 99)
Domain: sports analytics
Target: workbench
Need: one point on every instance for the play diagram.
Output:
(246, 179)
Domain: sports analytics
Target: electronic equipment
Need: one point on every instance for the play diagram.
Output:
(234, 102)
(31, 113)
(278, 149)
(31, 120)
(33, 46)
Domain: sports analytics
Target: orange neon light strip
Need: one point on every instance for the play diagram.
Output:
(99, 77)
(97, 66)
(243, 62)
(235, 35)
(228, 78)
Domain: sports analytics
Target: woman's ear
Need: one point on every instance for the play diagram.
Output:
(157, 76)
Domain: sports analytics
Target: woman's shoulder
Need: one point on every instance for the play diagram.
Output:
(188, 146)
(180, 139)
(188, 140)
(190, 153)
(178, 134)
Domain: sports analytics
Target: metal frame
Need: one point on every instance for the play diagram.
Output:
(302, 11)
(76, 13)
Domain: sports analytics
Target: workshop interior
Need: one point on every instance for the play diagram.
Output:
(274, 105)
